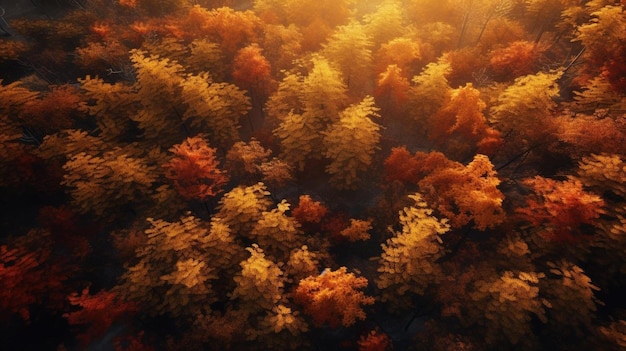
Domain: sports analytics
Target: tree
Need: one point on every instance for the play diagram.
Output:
(561, 209)
(97, 312)
(158, 86)
(229, 28)
(405, 52)
(351, 142)
(242, 207)
(509, 302)
(386, 23)
(524, 108)
(430, 90)
(252, 71)
(517, 59)
(460, 129)
(277, 233)
(333, 297)
(174, 273)
(99, 183)
(408, 263)
(112, 105)
(351, 50)
(245, 159)
(463, 194)
(259, 284)
(217, 107)
(194, 169)
(391, 91)
(601, 37)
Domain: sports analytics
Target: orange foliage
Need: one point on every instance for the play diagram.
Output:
(460, 128)
(375, 341)
(391, 90)
(357, 230)
(128, 3)
(309, 211)
(561, 208)
(401, 165)
(251, 70)
(402, 52)
(501, 31)
(54, 111)
(465, 63)
(333, 297)
(98, 312)
(230, 28)
(194, 169)
(589, 134)
(460, 193)
(516, 59)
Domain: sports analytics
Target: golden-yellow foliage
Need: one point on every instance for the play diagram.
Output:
(98, 184)
(408, 262)
(216, 106)
(351, 142)
(508, 303)
(277, 233)
(259, 284)
(242, 207)
(174, 272)
(357, 230)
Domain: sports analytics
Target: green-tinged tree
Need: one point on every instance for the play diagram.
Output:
(351, 142)
(242, 207)
(430, 90)
(158, 89)
(508, 303)
(408, 263)
(386, 23)
(350, 49)
(259, 285)
(99, 184)
(524, 109)
(173, 274)
(277, 233)
(217, 107)
(571, 298)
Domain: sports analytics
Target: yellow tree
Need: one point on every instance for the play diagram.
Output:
(242, 207)
(158, 88)
(386, 23)
(523, 110)
(217, 107)
(350, 49)
(321, 95)
(173, 274)
(259, 285)
(430, 90)
(351, 142)
(408, 264)
(277, 233)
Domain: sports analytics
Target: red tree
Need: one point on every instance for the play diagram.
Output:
(98, 312)
(194, 169)
(252, 71)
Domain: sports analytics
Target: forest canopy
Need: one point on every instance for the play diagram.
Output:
(313, 174)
